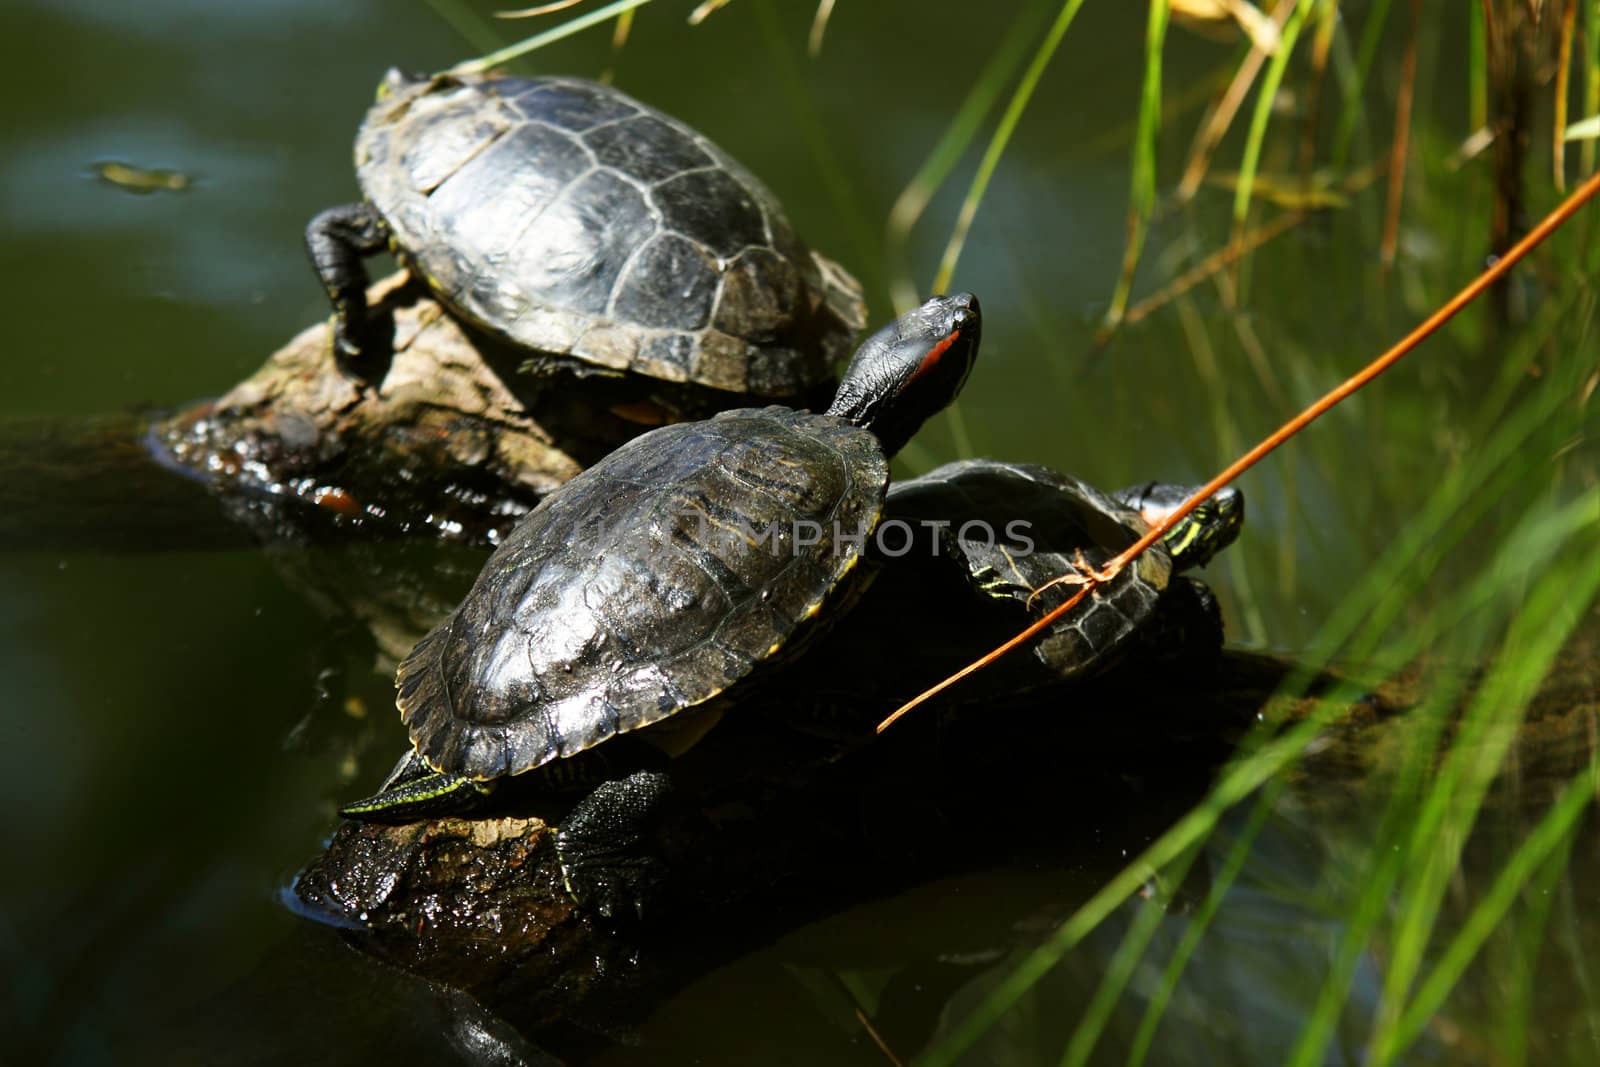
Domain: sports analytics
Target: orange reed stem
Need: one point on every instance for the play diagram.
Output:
(1473, 290)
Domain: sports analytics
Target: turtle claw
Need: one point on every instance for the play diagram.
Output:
(344, 346)
(612, 887)
(363, 347)
(607, 865)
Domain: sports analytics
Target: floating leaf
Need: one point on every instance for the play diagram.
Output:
(135, 179)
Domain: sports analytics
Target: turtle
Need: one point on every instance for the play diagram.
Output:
(651, 592)
(590, 232)
(1013, 529)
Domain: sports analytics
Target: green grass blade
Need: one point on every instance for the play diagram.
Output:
(980, 184)
(550, 36)
(1404, 832)
(1142, 190)
(953, 143)
(1270, 81)
(1002, 138)
(1540, 896)
(1547, 837)
(863, 235)
(1143, 1038)
(1551, 612)
(1591, 76)
(1477, 68)
(1238, 783)
(1121, 968)
(471, 26)
(1350, 110)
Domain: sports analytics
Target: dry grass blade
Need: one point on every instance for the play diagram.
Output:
(619, 36)
(1558, 142)
(1261, 30)
(1591, 76)
(539, 40)
(1584, 129)
(819, 27)
(1316, 191)
(1236, 250)
(1473, 147)
(1217, 261)
(1477, 68)
(706, 10)
(1142, 191)
(1221, 116)
(1321, 46)
(1402, 132)
(535, 12)
(877, 1038)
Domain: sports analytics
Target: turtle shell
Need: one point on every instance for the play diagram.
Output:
(649, 584)
(1016, 527)
(566, 217)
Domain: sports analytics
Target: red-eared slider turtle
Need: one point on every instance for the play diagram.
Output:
(1016, 527)
(589, 230)
(643, 595)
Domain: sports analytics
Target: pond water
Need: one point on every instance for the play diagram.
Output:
(179, 725)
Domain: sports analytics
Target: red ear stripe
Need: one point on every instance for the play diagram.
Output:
(932, 358)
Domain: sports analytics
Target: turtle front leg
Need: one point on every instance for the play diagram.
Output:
(1186, 630)
(415, 791)
(603, 846)
(338, 240)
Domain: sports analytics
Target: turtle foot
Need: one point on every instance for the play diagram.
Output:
(1186, 632)
(607, 862)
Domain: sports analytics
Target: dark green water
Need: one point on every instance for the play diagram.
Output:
(176, 725)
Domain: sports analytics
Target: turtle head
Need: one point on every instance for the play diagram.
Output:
(910, 369)
(1199, 535)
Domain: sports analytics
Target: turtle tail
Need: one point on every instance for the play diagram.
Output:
(425, 796)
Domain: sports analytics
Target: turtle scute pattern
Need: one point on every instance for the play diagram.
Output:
(574, 220)
(636, 590)
(1068, 517)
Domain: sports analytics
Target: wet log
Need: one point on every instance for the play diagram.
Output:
(443, 438)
